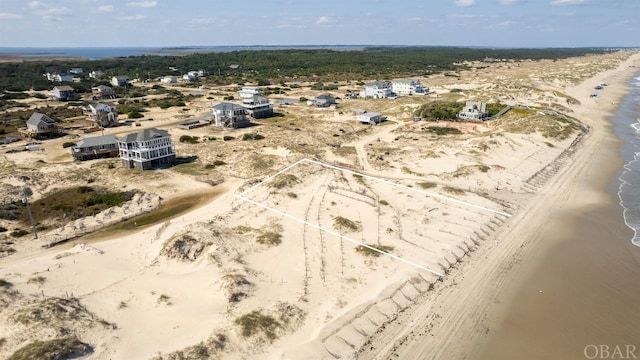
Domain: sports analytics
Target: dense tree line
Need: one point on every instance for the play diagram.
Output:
(273, 66)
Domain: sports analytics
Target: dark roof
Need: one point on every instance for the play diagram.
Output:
(97, 141)
(144, 135)
(37, 117)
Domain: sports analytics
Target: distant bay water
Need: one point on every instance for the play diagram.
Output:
(97, 53)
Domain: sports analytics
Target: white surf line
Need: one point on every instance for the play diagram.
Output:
(337, 234)
(409, 188)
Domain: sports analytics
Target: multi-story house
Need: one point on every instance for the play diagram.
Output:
(147, 149)
(103, 92)
(377, 90)
(408, 87)
(229, 115)
(255, 105)
(101, 114)
(64, 93)
(475, 110)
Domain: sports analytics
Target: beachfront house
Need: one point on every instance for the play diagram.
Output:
(120, 81)
(190, 76)
(40, 125)
(96, 74)
(76, 71)
(103, 92)
(371, 118)
(408, 87)
(64, 93)
(147, 149)
(254, 104)
(474, 110)
(377, 90)
(95, 148)
(322, 101)
(229, 115)
(101, 114)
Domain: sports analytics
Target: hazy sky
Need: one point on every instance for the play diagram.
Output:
(526, 23)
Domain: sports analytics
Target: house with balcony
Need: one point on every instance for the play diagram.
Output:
(229, 115)
(408, 87)
(147, 149)
(103, 92)
(101, 114)
(254, 104)
(377, 90)
(95, 148)
(40, 125)
(169, 80)
(64, 93)
(474, 110)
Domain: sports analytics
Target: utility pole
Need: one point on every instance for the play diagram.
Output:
(25, 200)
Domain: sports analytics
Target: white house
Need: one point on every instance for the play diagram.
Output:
(229, 115)
(474, 110)
(408, 87)
(147, 149)
(96, 74)
(190, 76)
(377, 90)
(169, 80)
(101, 114)
(76, 71)
(59, 77)
(119, 81)
(64, 93)
(369, 118)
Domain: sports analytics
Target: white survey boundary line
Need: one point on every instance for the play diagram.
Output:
(241, 197)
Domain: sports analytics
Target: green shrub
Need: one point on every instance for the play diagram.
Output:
(68, 144)
(61, 348)
(269, 238)
(427, 185)
(255, 322)
(188, 139)
(246, 137)
(19, 233)
(344, 223)
(228, 138)
(367, 251)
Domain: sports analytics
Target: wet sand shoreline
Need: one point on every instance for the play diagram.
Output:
(577, 292)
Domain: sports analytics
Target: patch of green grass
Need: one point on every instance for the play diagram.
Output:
(18, 233)
(255, 322)
(283, 180)
(366, 251)
(164, 299)
(549, 144)
(453, 190)
(384, 202)
(292, 195)
(359, 179)
(269, 238)
(440, 130)
(242, 229)
(61, 348)
(344, 223)
(251, 136)
(344, 150)
(427, 185)
(189, 139)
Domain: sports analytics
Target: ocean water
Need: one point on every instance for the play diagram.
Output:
(627, 127)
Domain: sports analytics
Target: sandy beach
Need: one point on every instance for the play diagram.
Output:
(398, 243)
